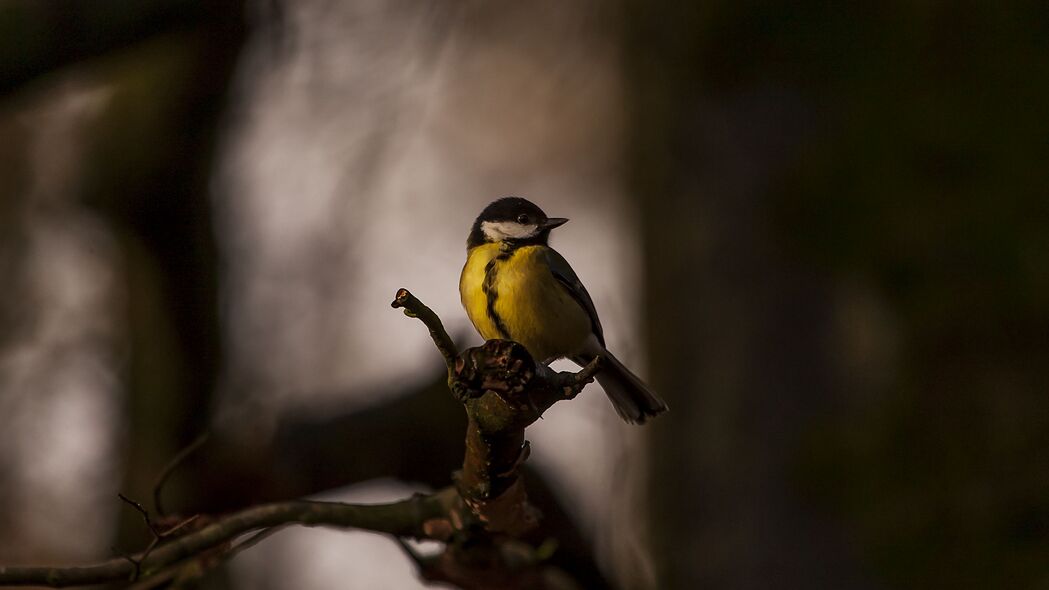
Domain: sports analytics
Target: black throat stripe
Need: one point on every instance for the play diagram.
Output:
(492, 293)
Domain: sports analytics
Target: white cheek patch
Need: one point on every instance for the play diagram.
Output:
(497, 231)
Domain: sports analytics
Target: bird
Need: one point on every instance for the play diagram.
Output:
(514, 286)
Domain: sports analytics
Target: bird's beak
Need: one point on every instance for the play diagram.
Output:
(554, 222)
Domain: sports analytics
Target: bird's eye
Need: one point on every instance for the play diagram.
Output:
(522, 219)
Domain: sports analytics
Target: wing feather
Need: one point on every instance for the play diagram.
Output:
(570, 281)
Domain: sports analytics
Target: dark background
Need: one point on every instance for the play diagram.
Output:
(838, 223)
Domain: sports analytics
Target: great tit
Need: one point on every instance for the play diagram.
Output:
(516, 287)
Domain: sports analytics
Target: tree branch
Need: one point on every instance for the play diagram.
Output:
(506, 391)
(158, 484)
(404, 518)
(414, 308)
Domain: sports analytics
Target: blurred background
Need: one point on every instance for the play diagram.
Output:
(821, 232)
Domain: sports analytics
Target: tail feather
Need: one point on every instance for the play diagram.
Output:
(632, 399)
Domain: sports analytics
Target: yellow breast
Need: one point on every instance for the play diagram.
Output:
(514, 295)
(471, 289)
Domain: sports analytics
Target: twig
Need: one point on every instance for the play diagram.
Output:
(158, 535)
(137, 563)
(141, 510)
(414, 308)
(165, 575)
(178, 527)
(177, 460)
(573, 383)
(149, 522)
(403, 518)
(145, 555)
(158, 486)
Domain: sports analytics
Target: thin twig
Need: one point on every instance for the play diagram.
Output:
(586, 374)
(177, 460)
(149, 522)
(137, 563)
(158, 534)
(414, 308)
(141, 510)
(145, 555)
(573, 383)
(162, 576)
(178, 527)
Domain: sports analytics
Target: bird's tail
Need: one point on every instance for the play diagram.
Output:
(632, 399)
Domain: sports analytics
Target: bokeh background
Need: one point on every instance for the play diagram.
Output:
(820, 231)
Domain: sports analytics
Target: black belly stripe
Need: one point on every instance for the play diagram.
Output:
(492, 293)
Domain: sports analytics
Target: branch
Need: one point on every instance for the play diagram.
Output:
(404, 518)
(414, 308)
(507, 391)
(158, 484)
(158, 534)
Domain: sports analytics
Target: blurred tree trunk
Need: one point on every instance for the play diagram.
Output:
(735, 327)
(883, 165)
(149, 170)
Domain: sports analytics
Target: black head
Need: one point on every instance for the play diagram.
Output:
(514, 220)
